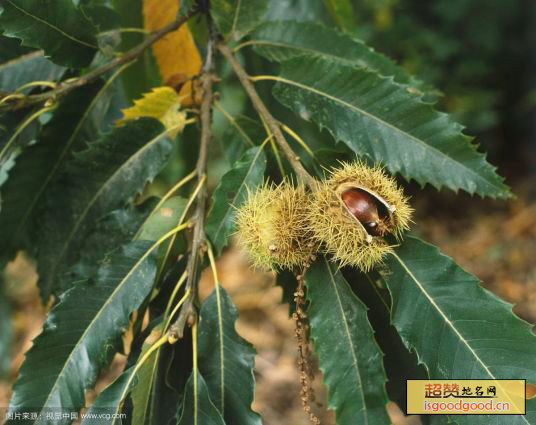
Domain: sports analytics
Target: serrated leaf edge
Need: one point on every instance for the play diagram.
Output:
(108, 300)
(503, 192)
(82, 216)
(72, 138)
(447, 320)
(48, 24)
(348, 334)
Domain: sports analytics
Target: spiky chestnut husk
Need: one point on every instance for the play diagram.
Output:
(272, 227)
(337, 227)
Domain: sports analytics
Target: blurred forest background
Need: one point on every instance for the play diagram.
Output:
(480, 56)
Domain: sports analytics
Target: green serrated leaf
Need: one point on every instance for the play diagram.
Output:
(400, 364)
(104, 177)
(469, 333)
(81, 333)
(27, 68)
(108, 403)
(379, 118)
(236, 18)
(34, 169)
(226, 360)
(113, 230)
(198, 408)
(81, 117)
(283, 40)
(349, 357)
(247, 173)
(58, 27)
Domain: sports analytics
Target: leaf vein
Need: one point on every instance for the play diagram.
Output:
(37, 18)
(387, 124)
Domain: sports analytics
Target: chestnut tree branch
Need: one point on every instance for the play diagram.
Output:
(63, 88)
(198, 239)
(274, 126)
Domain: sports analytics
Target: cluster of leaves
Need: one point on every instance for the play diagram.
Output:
(71, 179)
(457, 46)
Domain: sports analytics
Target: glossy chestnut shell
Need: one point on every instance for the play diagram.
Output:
(364, 207)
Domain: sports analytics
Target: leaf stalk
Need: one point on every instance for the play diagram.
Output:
(294, 160)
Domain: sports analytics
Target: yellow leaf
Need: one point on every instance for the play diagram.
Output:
(162, 103)
(176, 54)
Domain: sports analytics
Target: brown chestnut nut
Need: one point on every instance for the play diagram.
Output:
(351, 212)
(363, 207)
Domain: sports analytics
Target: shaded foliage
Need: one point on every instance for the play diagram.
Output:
(77, 188)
